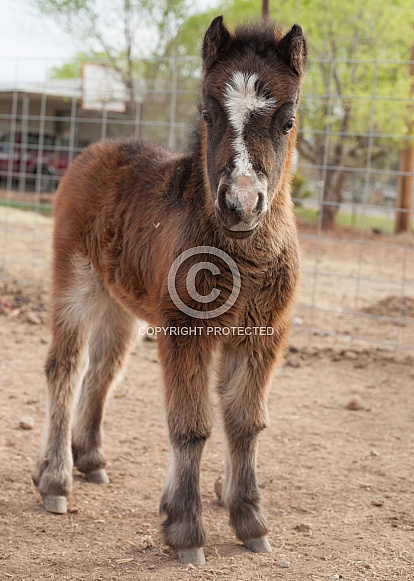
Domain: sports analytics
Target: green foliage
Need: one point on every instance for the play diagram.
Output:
(190, 35)
(349, 94)
(73, 68)
(355, 219)
(336, 31)
(355, 31)
(346, 91)
(300, 189)
(338, 34)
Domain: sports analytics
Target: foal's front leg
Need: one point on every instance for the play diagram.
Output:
(243, 385)
(185, 362)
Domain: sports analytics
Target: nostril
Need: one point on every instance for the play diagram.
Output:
(223, 189)
(228, 202)
(260, 204)
(234, 204)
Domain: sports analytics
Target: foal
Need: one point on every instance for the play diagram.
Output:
(125, 211)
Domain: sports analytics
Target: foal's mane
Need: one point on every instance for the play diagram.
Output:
(258, 35)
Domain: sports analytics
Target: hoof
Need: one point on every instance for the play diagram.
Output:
(192, 557)
(98, 476)
(259, 545)
(56, 504)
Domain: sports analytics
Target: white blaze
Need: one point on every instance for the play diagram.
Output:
(241, 99)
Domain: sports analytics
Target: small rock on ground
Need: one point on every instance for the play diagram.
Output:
(26, 423)
(33, 318)
(284, 564)
(355, 404)
(304, 528)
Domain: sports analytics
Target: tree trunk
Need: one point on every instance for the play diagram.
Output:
(328, 217)
(332, 197)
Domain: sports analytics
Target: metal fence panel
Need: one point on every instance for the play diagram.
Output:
(357, 282)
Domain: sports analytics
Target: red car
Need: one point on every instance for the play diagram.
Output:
(36, 162)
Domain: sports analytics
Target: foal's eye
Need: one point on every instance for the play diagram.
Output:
(207, 117)
(288, 126)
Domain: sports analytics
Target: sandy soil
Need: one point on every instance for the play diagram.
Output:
(337, 483)
(335, 466)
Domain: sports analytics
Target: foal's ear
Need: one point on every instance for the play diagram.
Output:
(216, 41)
(292, 48)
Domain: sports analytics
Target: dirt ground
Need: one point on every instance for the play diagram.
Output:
(335, 466)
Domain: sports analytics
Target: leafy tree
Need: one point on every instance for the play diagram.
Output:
(121, 31)
(72, 69)
(352, 106)
(347, 104)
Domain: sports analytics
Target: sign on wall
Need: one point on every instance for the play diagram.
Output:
(103, 88)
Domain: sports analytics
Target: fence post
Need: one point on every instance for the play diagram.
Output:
(173, 105)
(23, 142)
(404, 190)
(405, 187)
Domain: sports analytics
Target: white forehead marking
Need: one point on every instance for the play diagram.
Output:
(241, 98)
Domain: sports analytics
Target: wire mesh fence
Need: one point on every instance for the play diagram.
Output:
(353, 185)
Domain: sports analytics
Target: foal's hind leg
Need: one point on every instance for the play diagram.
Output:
(185, 365)
(73, 309)
(245, 373)
(109, 346)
